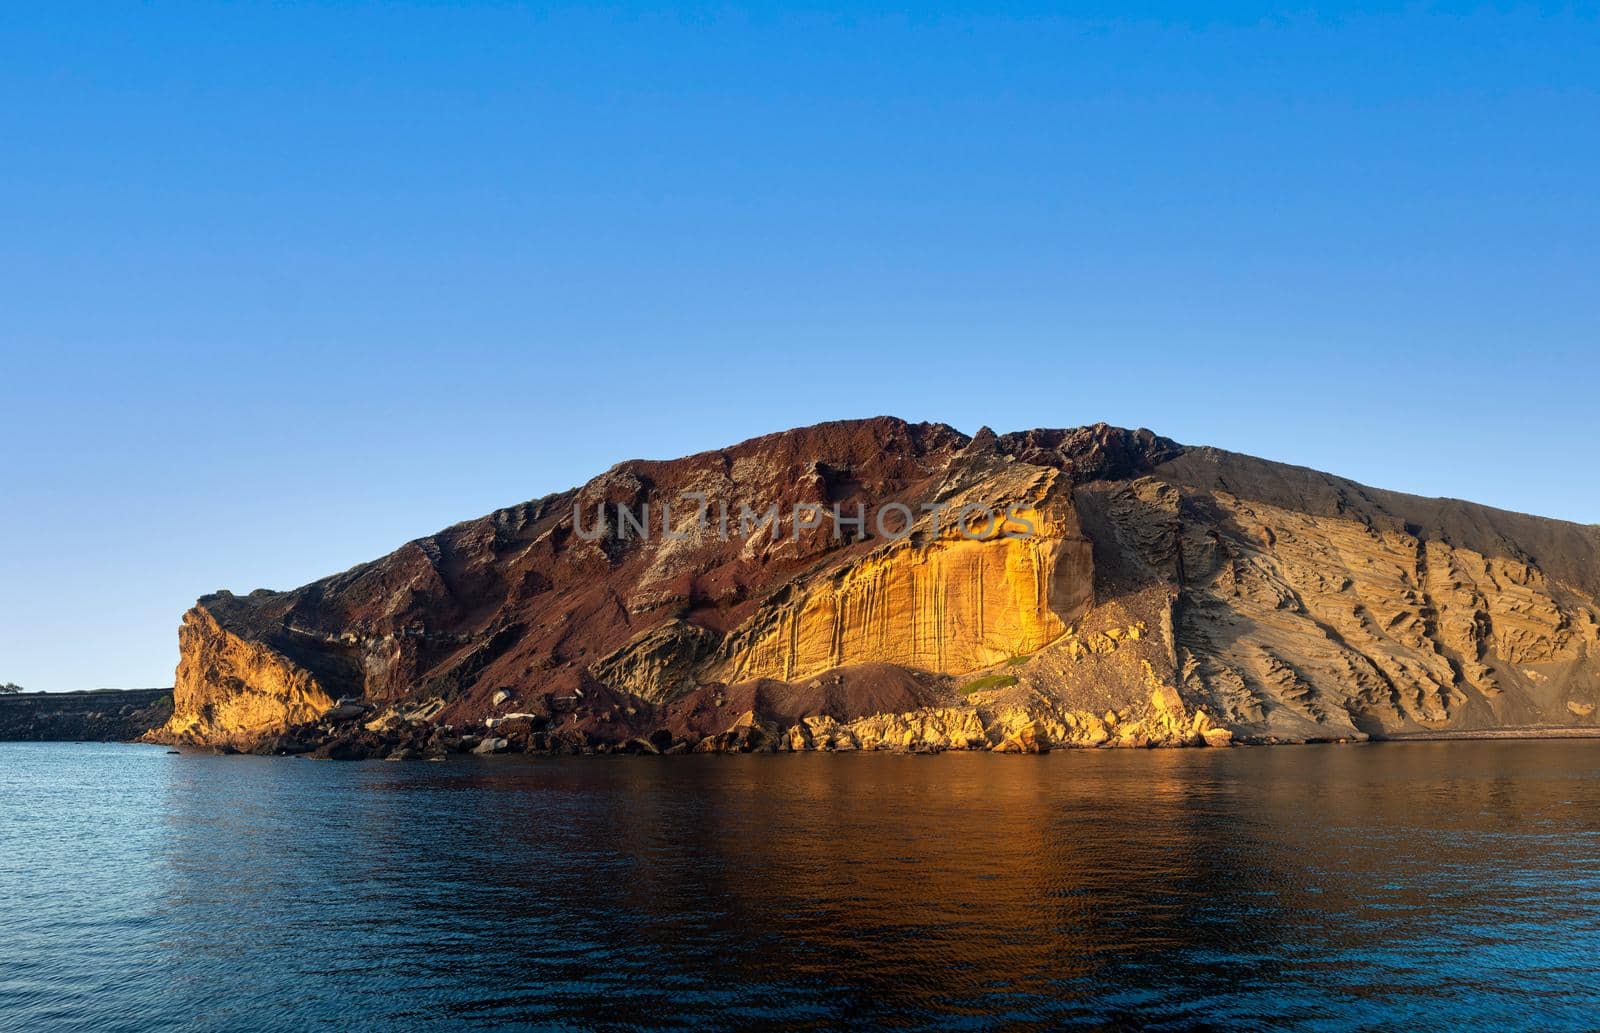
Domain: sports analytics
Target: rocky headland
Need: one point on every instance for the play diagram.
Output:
(94, 715)
(1131, 591)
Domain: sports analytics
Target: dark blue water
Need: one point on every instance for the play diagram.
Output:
(1422, 885)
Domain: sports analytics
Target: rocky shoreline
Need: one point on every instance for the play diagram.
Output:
(354, 730)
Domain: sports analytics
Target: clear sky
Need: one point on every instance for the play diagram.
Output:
(285, 285)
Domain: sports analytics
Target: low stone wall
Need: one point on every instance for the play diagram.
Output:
(99, 715)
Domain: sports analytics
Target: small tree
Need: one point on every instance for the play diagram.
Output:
(10, 688)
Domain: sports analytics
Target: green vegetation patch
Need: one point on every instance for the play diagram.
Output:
(992, 681)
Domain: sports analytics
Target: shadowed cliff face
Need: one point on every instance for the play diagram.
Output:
(1130, 592)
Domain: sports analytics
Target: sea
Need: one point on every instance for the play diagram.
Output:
(1415, 885)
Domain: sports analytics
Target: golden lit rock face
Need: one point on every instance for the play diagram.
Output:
(950, 607)
(1010, 723)
(231, 690)
(1293, 624)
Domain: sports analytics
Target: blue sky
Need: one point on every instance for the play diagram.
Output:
(285, 285)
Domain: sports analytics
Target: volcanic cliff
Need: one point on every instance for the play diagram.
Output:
(1129, 591)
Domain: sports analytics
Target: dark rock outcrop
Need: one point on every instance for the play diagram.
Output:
(99, 715)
